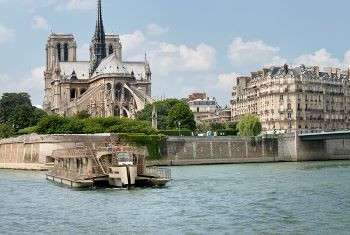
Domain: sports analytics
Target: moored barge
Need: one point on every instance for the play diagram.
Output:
(116, 166)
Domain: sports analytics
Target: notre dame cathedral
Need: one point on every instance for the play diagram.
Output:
(104, 86)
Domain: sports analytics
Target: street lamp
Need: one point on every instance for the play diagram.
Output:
(179, 128)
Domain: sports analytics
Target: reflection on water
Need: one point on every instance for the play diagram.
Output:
(282, 198)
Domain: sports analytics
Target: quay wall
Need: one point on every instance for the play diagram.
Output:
(216, 150)
(34, 151)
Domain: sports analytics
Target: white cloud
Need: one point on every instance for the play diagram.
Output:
(132, 41)
(226, 82)
(39, 22)
(6, 34)
(154, 29)
(76, 4)
(167, 57)
(253, 53)
(32, 83)
(323, 58)
(68, 5)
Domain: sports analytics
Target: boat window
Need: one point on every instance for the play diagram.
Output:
(123, 157)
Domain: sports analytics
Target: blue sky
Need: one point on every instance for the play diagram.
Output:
(193, 46)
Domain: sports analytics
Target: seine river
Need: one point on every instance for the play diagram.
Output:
(281, 198)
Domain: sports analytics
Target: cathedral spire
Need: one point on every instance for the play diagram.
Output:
(99, 40)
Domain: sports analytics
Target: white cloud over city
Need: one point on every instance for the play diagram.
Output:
(168, 57)
(154, 29)
(40, 23)
(69, 5)
(6, 34)
(253, 53)
(32, 83)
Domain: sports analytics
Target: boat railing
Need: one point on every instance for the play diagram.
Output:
(158, 172)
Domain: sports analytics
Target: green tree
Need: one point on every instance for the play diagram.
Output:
(181, 113)
(37, 115)
(163, 108)
(20, 117)
(249, 125)
(66, 125)
(84, 114)
(231, 125)
(9, 101)
(215, 126)
(203, 127)
(5, 131)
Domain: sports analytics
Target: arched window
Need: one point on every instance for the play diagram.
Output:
(82, 91)
(73, 94)
(118, 91)
(58, 48)
(110, 50)
(65, 50)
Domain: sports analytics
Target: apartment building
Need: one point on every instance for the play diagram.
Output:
(301, 98)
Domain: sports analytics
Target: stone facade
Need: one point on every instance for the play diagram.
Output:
(302, 99)
(202, 106)
(105, 85)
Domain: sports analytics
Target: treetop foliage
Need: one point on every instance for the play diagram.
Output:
(66, 125)
(249, 125)
(163, 108)
(181, 114)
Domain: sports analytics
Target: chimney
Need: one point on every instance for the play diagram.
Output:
(286, 69)
(317, 70)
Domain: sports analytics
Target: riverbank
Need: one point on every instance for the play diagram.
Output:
(34, 151)
(24, 166)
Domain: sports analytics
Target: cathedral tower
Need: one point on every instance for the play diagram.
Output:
(99, 41)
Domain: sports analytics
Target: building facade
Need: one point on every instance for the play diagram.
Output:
(104, 86)
(202, 106)
(302, 99)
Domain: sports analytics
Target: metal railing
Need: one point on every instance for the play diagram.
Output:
(158, 172)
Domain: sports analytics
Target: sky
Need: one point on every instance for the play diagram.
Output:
(192, 45)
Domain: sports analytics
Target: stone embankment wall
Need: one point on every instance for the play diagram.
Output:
(34, 151)
(216, 150)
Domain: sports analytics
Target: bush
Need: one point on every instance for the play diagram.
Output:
(151, 142)
(228, 132)
(5, 131)
(27, 131)
(65, 125)
(184, 132)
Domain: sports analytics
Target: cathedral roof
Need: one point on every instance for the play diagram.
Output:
(137, 67)
(81, 69)
(111, 64)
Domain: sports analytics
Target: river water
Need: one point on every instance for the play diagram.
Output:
(279, 198)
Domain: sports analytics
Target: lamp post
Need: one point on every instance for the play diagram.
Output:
(179, 128)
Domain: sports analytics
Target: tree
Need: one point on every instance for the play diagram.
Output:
(5, 131)
(215, 126)
(181, 113)
(20, 117)
(249, 125)
(9, 101)
(163, 108)
(38, 114)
